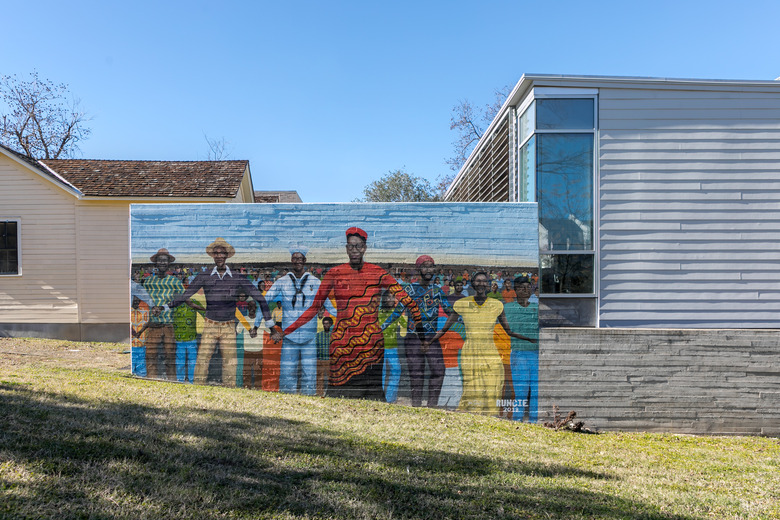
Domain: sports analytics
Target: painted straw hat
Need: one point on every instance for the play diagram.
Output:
(165, 252)
(220, 242)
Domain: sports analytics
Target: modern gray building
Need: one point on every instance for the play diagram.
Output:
(659, 236)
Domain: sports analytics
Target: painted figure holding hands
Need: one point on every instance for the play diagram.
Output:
(483, 370)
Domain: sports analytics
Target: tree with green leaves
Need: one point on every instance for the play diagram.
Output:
(400, 186)
(39, 118)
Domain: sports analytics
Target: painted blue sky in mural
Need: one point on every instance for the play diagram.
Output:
(489, 234)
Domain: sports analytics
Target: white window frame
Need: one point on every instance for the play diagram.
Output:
(571, 93)
(18, 221)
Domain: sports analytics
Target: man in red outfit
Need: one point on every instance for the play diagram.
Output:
(356, 344)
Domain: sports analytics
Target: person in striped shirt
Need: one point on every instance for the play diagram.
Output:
(161, 287)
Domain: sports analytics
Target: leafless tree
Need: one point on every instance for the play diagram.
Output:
(471, 123)
(40, 118)
(442, 183)
(219, 149)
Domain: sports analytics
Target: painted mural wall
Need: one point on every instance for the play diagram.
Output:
(423, 304)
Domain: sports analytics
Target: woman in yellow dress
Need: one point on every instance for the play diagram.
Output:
(481, 365)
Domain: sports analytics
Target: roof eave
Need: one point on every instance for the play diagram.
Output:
(526, 81)
(156, 199)
(44, 172)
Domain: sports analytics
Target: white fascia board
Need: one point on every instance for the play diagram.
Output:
(603, 81)
(157, 200)
(63, 184)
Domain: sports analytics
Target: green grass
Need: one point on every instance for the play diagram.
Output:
(97, 443)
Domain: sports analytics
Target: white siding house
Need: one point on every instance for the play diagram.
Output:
(70, 219)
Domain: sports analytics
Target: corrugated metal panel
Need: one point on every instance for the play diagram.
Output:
(689, 208)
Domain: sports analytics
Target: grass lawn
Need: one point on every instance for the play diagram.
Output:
(81, 438)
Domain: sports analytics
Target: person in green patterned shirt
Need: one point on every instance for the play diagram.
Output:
(161, 287)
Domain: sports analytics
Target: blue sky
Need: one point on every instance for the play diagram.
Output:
(324, 97)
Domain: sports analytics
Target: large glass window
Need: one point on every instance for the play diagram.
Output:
(566, 274)
(564, 114)
(9, 247)
(565, 176)
(555, 167)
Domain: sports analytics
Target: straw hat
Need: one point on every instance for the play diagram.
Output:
(165, 252)
(220, 242)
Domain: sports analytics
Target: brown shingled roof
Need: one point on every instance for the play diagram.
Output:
(152, 178)
(277, 196)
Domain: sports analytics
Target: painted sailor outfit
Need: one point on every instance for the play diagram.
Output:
(297, 295)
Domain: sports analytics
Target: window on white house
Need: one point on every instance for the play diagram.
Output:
(9, 247)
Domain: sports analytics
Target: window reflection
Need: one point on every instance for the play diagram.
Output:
(528, 171)
(564, 114)
(567, 274)
(526, 122)
(565, 177)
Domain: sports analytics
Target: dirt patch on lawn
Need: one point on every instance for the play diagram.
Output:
(66, 354)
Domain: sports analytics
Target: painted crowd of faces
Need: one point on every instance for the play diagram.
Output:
(476, 364)
(420, 304)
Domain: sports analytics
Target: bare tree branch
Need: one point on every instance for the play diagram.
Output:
(219, 149)
(471, 125)
(37, 118)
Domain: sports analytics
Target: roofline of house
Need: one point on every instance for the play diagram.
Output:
(43, 171)
(40, 168)
(527, 81)
(160, 199)
(251, 184)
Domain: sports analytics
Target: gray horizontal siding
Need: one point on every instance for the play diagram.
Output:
(689, 208)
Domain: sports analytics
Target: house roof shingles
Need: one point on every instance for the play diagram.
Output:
(277, 196)
(100, 178)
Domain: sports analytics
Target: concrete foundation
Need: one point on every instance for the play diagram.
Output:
(112, 332)
(724, 382)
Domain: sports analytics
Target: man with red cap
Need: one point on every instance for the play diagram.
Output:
(357, 344)
(429, 298)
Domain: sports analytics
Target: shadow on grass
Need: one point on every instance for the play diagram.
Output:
(70, 458)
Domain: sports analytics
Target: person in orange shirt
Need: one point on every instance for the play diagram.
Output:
(508, 294)
(451, 343)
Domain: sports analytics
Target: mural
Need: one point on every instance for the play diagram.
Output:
(424, 304)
